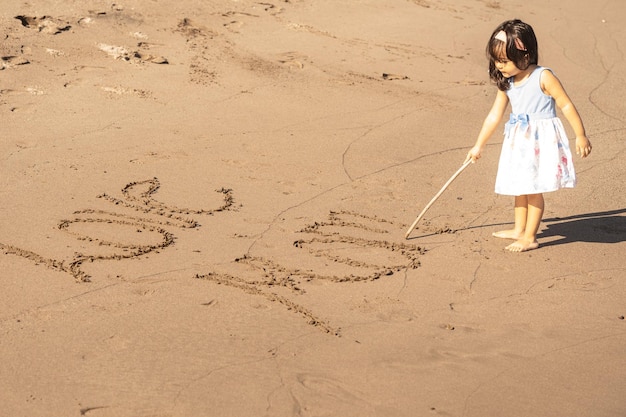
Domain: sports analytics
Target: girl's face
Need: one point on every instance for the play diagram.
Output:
(506, 66)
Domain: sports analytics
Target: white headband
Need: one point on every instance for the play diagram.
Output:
(501, 36)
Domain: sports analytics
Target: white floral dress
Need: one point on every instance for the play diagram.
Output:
(536, 156)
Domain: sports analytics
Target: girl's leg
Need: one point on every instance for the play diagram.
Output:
(528, 240)
(521, 215)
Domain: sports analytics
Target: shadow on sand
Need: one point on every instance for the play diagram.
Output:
(602, 227)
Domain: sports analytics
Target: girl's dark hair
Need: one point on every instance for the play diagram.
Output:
(520, 48)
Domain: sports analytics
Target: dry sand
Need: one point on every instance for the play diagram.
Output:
(203, 207)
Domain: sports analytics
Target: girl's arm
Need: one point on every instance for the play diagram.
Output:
(553, 87)
(489, 125)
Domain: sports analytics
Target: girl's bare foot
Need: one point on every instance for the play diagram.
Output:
(508, 234)
(522, 245)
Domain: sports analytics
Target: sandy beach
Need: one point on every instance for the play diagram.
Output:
(204, 205)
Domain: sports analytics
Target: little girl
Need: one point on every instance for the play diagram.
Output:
(535, 156)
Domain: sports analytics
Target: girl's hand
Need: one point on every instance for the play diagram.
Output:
(474, 154)
(583, 146)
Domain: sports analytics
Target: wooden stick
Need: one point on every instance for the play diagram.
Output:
(452, 178)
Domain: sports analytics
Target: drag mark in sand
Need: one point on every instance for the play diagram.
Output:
(325, 242)
(157, 220)
(202, 69)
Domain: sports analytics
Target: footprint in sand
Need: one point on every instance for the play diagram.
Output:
(44, 24)
(192, 30)
(134, 56)
(272, 9)
(12, 61)
(391, 77)
(292, 60)
(233, 25)
(114, 92)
